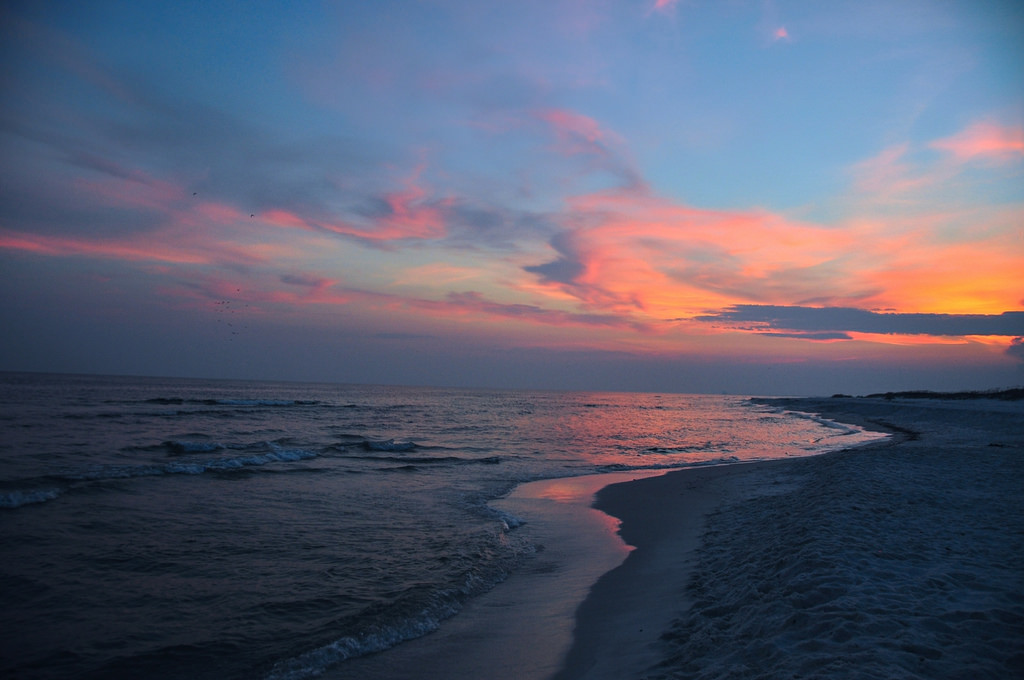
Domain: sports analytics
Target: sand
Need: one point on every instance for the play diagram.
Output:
(897, 559)
(901, 559)
(619, 625)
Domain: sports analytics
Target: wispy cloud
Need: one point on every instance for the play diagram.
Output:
(577, 133)
(984, 140)
(904, 171)
(602, 149)
(891, 175)
(178, 245)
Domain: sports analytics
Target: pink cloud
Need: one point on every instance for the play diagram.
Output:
(135, 189)
(984, 139)
(890, 174)
(576, 133)
(411, 214)
(323, 294)
(172, 246)
(470, 306)
(603, 150)
(663, 5)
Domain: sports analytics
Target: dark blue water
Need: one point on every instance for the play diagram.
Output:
(186, 528)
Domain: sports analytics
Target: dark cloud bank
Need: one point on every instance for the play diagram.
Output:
(835, 323)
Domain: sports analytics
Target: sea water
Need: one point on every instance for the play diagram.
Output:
(193, 528)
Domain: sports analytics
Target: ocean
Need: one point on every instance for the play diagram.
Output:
(155, 527)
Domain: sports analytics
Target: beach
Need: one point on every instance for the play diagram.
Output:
(894, 559)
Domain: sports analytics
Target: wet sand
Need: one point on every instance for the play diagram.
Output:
(619, 625)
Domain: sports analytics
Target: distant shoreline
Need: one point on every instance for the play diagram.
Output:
(1010, 394)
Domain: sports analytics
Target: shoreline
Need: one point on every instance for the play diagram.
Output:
(895, 558)
(619, 624)
(523, 627)
(780, 568)
(527, 627)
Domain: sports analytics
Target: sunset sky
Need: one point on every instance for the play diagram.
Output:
(762, 197)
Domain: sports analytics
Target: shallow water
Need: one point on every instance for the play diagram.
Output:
(172, 528)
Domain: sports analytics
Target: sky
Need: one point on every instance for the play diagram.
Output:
(756, 197)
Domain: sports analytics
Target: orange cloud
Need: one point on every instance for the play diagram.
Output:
(436, 274)
(646, 258)
(639, 254)
(940, 277)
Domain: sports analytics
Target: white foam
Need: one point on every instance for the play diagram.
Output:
(16, 499)
(196, 467)
(315, 662)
